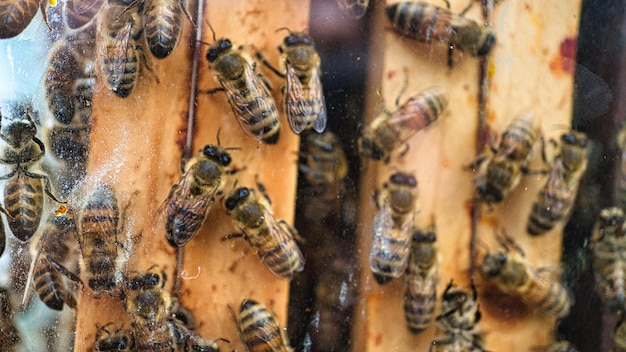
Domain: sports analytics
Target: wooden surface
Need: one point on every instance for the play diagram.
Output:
(530, 67)
(137, 144)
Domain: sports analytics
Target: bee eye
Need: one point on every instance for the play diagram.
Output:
(291, 40)
(209, 151)
(225, 160)
(568, 138)
(225, 44)
(211, 54)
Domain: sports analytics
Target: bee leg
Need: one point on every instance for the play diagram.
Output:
(476, 163)
(145, 62)
(47, 187)
(182, 4)
(42, 7)
(406, 150)
(211, 91)
(63, 270)
(268, 64)
(469, 6)
(405, 84)
(9, 175)
(447, 341)
(231, 236)
(450, 56)
(262, 189)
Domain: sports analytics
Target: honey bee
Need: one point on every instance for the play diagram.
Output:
(190, 200)
(557, 197)
(389, 131)
(427, 23)
(147, 303)
(501, 172)
(98, 227)
(183, 325)
(304, 97)
(16, 15)
(458, 320)
(512, 274)
(393, 224)
(121, 26)
(69, 82)
(117, 340)
(24, 189)
(78, 13)
(52, 252)
(248, 94)
(324, 166)
(273, 239)
(421, 280)
(353, 8)
(162, 25)
(608, 261)
(259, 329)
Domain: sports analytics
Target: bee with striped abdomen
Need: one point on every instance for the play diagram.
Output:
(274, 240)
(513, 274)
(393, 224)
(120, 340)
(189, 201)
(121, 26)
(304, 101)
(24, 188)
(247, 93)
(52, 253)
(69, 83)
(557, 197)
(421, 280)
(458, 321)
(147, 303)
(389, 131)
(259, 329)
(162, 23)
(98, 227)
(16, 15)
(608, 248)
(428, 23)
(500, 172)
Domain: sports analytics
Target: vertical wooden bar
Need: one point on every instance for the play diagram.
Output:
(137, 144)
(530, 67)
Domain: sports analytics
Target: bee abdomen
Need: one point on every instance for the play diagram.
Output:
(122, 84)
(418, 21)
(284, 260)
(23, 198)
(610, 282)
(15, 16)
(545, 215)
(554, 301)
(162, 27)
(419, 307)
(389, 258)
(48, 285)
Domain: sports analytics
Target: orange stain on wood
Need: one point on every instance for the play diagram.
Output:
(564, 61)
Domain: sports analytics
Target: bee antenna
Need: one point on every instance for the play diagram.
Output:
(233, 148)
(405, 84)
(205, 43)
(218, 136)
(211, 28)
(284, 29)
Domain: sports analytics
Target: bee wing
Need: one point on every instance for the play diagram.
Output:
(383, 225)
(117, 53)
(296, 107)
(83, 6)
(353, 8)
(243, 108)
(317, 95)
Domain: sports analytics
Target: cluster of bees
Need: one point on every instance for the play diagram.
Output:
(399, 247)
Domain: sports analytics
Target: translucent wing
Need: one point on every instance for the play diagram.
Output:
(297, 105)
(115, 56)
(84, 6)
(251, 104)
(183, 212)
(353, 8)
(317, 94)
(383, 225)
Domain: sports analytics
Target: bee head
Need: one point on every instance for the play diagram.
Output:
(217, 154)
(424, 236)
(145, 280)
(403, 179)
(488, 193)
(492, 264)
(235, 197)
(17, 131)
(575, 139)
(370, 149)
(297, 38)
(216, 49)
(247, 304)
